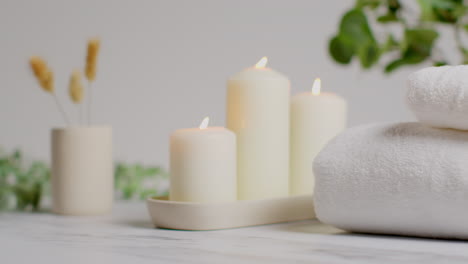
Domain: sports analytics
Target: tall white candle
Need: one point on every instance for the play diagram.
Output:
(203, 165)
(315, 119)
(258, 112)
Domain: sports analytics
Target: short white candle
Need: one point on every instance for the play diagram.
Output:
(258, 112)
(315, 119)
(203, 165)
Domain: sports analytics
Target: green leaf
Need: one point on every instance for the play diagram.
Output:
(445, 11)
(390, 17)
(390, 44)
(395, 65)
(354, 37)
(341, 50)
(440, 63)
(427, 13)
(36, 197)
(448, 11)
(355, 27)
(393, 6)
(373, 4)
(368, 55)
(419, 43)
(17, 156)
(417, 47)
(128, 192)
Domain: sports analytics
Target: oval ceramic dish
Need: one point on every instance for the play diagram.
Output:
(210, 216)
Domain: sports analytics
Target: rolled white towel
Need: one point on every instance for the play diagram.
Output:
(438, 96)
(404, 179)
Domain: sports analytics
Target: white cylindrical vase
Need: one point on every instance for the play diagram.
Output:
(82, 170)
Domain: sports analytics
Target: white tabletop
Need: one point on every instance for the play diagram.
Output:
(128, 237)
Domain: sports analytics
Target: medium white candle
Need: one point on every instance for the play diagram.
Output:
(315, 119)
(258, 112)
(203, 165)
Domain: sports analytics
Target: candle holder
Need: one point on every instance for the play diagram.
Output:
(242, 213)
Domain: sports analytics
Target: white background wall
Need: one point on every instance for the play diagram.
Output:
(164, 65)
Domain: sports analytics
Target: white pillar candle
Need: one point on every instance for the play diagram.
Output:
(315, 119)
(203, 165)
(258, 112)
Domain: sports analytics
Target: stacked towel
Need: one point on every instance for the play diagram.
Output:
(404, 178)
(438, 96)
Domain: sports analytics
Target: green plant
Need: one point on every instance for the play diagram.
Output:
(138, 182)
(22, 187)
(408, 36)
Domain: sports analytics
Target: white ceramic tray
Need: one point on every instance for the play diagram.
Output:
(210, 216)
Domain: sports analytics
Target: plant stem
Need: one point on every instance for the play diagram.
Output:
(59, 105)
(89, 102)
(80, 114)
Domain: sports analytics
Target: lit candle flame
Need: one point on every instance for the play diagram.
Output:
(204, 123)
(261, 63)
(316, 86)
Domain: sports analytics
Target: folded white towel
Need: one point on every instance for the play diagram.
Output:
(438, 96)
(405, 179)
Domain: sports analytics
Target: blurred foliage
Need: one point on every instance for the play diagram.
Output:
(23, 186)
(414, 42)
(139, 182)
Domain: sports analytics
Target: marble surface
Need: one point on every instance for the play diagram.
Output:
(128, 237)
